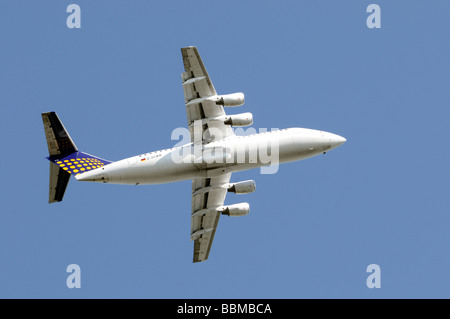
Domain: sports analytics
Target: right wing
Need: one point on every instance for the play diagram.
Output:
(200, 98)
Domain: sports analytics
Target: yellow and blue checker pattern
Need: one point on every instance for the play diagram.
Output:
(78, 162)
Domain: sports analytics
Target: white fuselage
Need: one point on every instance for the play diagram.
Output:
(233, 154)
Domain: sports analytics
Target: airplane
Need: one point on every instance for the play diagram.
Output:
(213, 154)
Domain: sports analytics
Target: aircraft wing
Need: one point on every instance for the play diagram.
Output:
(203, 113)
(208, 194)
(199, 93)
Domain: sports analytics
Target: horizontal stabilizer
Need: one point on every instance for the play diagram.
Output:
(59, 141)
(64, 157)
(59, 179)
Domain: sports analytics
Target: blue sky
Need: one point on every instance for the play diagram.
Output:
(314, 227)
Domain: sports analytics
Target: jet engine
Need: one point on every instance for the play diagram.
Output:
(244, 187)
(235, 99)
(243, 119)
(240, 209)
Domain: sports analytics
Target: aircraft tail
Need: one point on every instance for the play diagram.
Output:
(65, 158)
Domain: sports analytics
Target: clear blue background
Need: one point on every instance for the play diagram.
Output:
(381, 198)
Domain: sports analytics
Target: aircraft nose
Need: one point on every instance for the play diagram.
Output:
(333, 140)
(336, 140)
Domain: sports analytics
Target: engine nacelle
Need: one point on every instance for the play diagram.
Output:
(240, 209)
(235, 99)
(244, 187)
(243, 119)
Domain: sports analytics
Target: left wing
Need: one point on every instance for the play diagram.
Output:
(208, 196)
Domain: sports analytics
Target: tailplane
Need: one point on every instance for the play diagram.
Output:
(65, 158)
